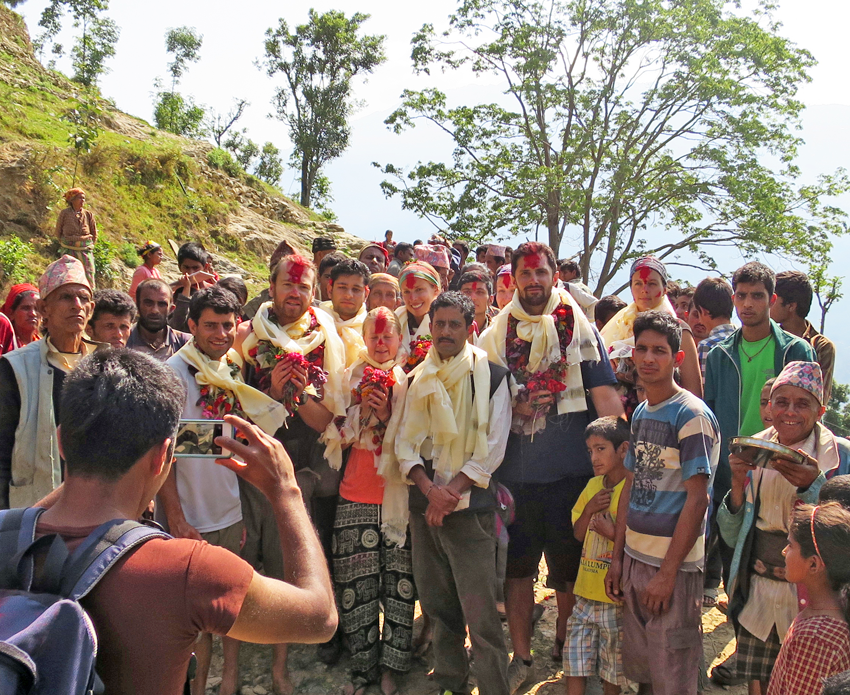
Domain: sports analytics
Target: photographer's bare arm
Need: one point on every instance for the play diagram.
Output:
(301, 608)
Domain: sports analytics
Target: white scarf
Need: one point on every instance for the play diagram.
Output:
(542, 333)
(441, 405)
(407, 338)
(263, 411)
(351, 331)
(291, 338)
(394, 509)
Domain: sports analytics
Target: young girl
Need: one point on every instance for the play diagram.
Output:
(420, 285)
(818, 643)
(151, 254)
(371, 545)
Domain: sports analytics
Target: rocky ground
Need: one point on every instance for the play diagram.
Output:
(311, 677)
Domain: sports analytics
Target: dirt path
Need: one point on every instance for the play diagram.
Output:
(311, 677)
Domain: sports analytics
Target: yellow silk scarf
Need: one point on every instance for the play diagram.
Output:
(291, 338)
(263, 411)
(351, 331)
(621, 325)
(394, 509)
(542, 333)
(440, 404)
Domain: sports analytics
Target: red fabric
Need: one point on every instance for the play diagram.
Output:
(7, 336)
(814, 648)
(13, 295)
(362, 482)
(150, 607)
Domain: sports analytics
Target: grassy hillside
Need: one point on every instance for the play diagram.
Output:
(141, 183)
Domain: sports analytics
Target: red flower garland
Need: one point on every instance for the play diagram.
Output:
(418, 351)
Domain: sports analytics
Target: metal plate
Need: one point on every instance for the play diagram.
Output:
(759, 452)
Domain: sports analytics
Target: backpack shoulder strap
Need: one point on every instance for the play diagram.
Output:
(100, 551)
(17, 531)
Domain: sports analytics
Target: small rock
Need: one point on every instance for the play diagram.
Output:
(247, 690)
(260, 690)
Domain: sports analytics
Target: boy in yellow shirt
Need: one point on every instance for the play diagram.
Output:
(595, 628)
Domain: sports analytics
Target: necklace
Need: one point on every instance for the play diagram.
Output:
(758, 352)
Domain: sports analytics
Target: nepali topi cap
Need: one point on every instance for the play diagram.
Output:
(433, 254)
(804, 375)
(66, 271)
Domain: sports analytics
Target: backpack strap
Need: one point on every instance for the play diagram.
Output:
(17, 531)
(100, 551)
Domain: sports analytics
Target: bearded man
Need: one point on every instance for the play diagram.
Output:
(556, 355)
(152, 334)
(294, 355)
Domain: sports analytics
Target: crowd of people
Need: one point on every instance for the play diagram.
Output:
(412, 425)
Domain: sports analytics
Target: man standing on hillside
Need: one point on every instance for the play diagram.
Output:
(152, 334)
(546, 464)
(293, 354)
(31, 381)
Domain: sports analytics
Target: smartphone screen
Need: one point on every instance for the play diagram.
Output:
(196, 439)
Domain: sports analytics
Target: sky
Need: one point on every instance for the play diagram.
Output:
(233, 41)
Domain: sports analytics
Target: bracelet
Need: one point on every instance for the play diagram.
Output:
(429, 490)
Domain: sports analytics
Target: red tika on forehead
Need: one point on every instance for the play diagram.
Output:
(474, 286)
(410, 281)
(296, 272)
(506, 280)
(644, 273)
(533, 261)
(380, 323)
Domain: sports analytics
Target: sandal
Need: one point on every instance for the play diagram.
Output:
(557, 653)
(709, 598)
(726, 673)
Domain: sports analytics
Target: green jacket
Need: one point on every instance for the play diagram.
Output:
(722, 391)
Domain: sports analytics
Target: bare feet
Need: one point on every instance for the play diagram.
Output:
(229, 683)
(281, 685)
(388, 684)
(351, 689)
(423, 641)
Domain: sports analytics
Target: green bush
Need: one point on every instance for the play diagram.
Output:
(13, 253)
(104, 252)
(222, 159)
(127, 253)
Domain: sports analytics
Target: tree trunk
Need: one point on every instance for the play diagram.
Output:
(306, 181)
(553, 221)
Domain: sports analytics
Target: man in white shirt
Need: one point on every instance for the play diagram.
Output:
(199, 498)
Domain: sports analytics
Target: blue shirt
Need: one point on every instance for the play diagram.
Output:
(559, 451)
(671, 442)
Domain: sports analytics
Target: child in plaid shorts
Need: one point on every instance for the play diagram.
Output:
(595, 628)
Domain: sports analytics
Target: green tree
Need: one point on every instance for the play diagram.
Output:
(837, 416)
(218, 124)
(244, 149)
(319, 62)
(827, 289)
(172, 111)
(270, 166)
(179, 115)
(95, 43)
(620, 119)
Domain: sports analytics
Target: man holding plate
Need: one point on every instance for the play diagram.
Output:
(754, 516)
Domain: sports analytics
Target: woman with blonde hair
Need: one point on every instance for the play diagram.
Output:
(77, 231)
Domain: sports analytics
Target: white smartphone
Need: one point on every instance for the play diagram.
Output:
(196, 439)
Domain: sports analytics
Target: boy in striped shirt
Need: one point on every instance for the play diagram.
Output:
(658, 558)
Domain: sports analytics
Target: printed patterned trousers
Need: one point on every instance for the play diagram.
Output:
(370, 570)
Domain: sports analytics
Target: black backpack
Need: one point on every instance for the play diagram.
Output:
(47, 640)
